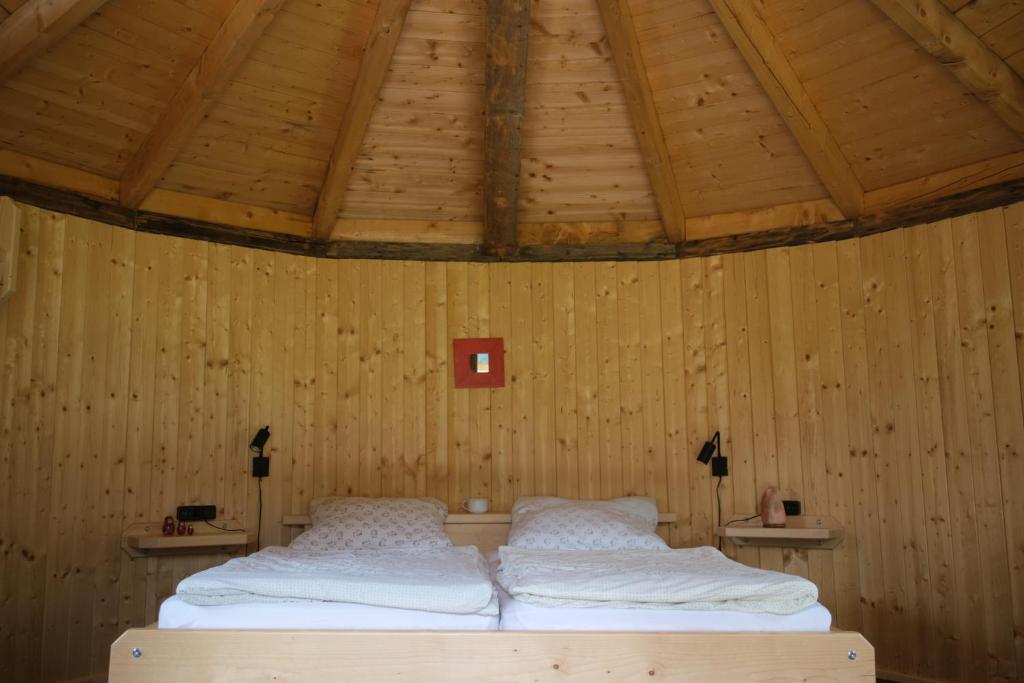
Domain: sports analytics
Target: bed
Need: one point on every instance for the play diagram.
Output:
(370, 564)
(553, 645)
(384, 589)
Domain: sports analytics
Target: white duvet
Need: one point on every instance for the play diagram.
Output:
(692, 579)
(449, 580)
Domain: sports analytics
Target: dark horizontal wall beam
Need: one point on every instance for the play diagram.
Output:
(75, 204)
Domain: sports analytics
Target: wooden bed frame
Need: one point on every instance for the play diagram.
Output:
(152, 655)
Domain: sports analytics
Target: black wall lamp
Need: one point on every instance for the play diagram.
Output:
(719, 464)
(260, 469)
(719, 468)
(260, 463)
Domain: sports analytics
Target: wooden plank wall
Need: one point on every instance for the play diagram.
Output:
(879, 379)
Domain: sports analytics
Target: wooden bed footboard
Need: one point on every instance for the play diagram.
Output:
(195, 656)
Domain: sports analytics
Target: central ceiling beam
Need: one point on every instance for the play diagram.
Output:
(380, 46)
(506, 32)
(37, 26)
(945, 37)
(625, 47)
(207, 80)
(773, 71)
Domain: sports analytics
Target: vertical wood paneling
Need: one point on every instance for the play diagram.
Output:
(971, 651)
(588, 422)
(519, 379)
(702, 517)
(393, 386)
(479, 325)
(933, 475)
(264, 329)
(859, 446)
(676, 455)
(878, 380)
(31, 581)
(349, 371)
(998, 620)
(798, 385)
(436, 412)
(329, 332)
(413, 450)
(652, 403)
(18, 372)
(458, 446)
(711, 332)
(835, 424)
(543, 352)
(608, 380)
(502, 478)
(369, 393)
(741, 409)
(564, 368)
(110, 511)
(630, 379)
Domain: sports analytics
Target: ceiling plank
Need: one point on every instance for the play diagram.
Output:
(211, 74)
(380, 46)
(37, 26)
(625, 47)
(507, 29)
(773, 71)
(948, 39)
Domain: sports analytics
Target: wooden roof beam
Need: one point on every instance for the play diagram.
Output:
(37, 26)
(507, 30)
(625, 47)
(205, 82)
(380, 46)
(773, 71)
(944, 36)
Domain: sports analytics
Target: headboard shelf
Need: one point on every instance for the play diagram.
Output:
(463, 518)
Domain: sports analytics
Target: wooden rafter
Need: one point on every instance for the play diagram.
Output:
(107, 211)
(36, 26)
(944, 36)
(380, 46)
(622, 38)
(773, 71)
(507, 28)
(201, 88)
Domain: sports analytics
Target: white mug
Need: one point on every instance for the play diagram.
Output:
(476, 505)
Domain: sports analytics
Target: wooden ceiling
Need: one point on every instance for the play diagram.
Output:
(622, 128)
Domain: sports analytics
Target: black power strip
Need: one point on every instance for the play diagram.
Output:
(196, 513)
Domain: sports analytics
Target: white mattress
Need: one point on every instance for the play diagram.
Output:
(341, 616)
(517, 615)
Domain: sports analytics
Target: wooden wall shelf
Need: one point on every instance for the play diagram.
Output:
(803, 531)
(145, 540)
(462, 518)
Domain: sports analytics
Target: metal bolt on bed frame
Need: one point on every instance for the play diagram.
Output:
(851, 655)
(136, 652)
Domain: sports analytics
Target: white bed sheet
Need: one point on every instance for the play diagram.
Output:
(517, 615)
(334, 616)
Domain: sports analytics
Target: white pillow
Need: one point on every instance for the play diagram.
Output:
(347, 523)
(544, 523)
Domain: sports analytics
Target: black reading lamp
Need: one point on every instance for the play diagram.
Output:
(260, 463)
(260, 469)
(719, 465)
(719, 468)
